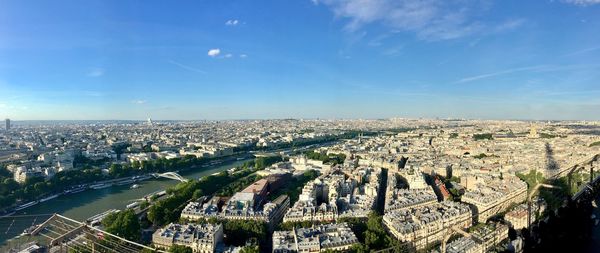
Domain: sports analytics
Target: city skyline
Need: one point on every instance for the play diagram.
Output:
(111, 60)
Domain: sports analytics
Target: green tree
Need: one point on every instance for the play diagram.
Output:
(244, 230)
(250, 249)
(125, 224)
(197, 194)
(376, 237)
(486, 136)
(180, 249)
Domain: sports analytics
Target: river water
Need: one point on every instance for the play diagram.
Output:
(83, 205)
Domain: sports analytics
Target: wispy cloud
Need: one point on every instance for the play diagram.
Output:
(428, 19)
(227, 55)
(510, 24)
(138, 102)
(394, 51)
(232, 22)
(243, 55)
(538, 68)
(187, 67)
(95, 72)
(582, 2)
(214, 52)
(499, 73)
(583, 51)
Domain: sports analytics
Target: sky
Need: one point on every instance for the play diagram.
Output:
(254, 59)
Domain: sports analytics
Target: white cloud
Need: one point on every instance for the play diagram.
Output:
(582, 2)
(232, 22)
(228, 55)
(428, 19)
(243, 55)
(138, 102)
(214, 52)
(96, 72)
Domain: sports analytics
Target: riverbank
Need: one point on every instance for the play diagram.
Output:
(83, 205)
(126, 180)
(88, 203)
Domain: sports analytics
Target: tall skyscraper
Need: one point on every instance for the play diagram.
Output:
(7, 124)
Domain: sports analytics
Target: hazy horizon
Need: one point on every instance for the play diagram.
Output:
(16, 121)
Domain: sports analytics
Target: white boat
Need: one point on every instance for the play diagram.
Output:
(135, 186)
(7, 214)
(26, 205)
(76, 190)
(124, 182)
(161, 193)
(49, 198)
(142, 178)
(28, 230)
(132, 205)
(97, 219)
(594, 204)
(100, 186)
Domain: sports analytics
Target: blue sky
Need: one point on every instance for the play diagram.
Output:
(301, 59)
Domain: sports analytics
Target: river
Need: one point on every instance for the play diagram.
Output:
(83, 205)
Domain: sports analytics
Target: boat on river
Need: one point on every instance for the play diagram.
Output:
(29, 230)
(75, 190)
(7, 214)
(26, 205)
(49, 198)
(97, 219)
(100, 186)
(125, 182)
(133, 205)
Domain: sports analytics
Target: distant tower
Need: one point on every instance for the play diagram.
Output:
(7, 124)
(533, 132)
(149, 121)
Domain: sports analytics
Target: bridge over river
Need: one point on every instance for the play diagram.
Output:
(170, 175)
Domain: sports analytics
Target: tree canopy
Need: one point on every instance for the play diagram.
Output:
(180, 249)
(125, 224)
(486, 136)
